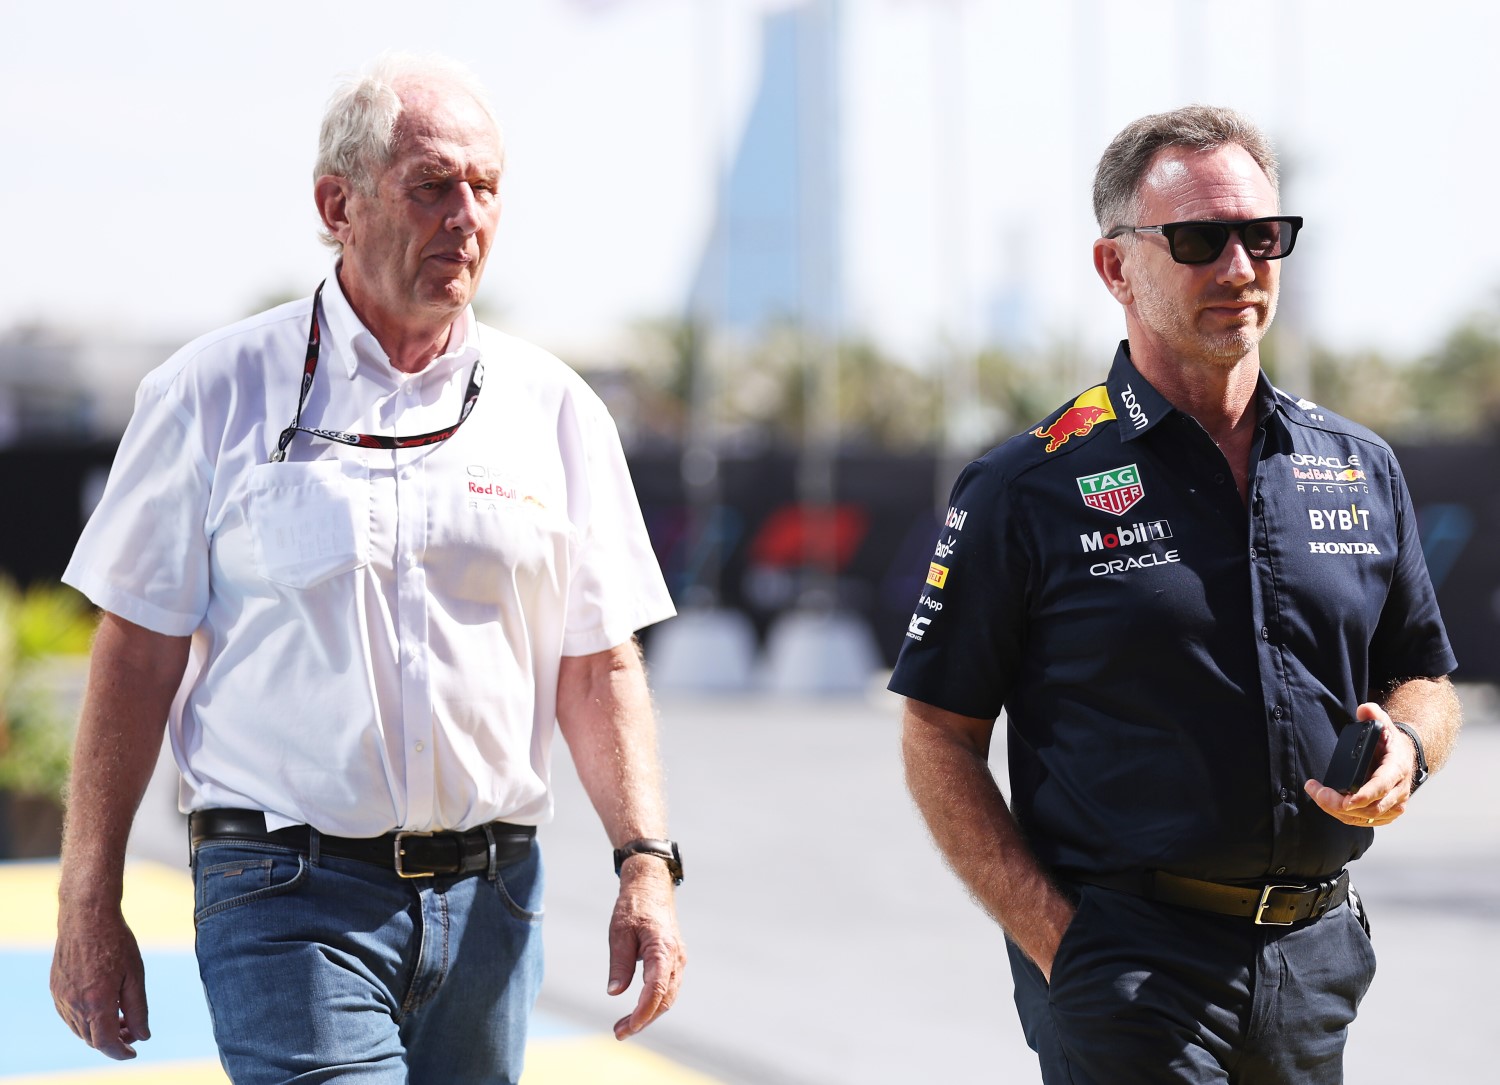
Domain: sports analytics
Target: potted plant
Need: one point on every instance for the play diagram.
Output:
(45, 632)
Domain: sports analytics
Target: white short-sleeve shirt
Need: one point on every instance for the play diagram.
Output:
(376, 634)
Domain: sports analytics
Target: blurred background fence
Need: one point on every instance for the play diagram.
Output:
(763, 553)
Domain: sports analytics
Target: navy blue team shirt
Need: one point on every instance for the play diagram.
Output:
(1173, 662)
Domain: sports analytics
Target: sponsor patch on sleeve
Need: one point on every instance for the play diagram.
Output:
(1087, 411)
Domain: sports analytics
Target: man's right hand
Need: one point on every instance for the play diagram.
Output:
(98, 980)
(98, 983)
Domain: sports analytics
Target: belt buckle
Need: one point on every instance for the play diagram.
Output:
(1265, 902)
(400, 851)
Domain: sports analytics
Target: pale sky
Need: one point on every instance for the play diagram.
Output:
(157, 174)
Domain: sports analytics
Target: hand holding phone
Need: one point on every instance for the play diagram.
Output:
(1353, 757)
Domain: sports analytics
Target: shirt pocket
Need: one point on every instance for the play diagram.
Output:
(488, 552)
(308, 521)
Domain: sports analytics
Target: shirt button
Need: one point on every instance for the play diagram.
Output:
(1265, 633)
(1286, 796)
(421, 746)
(1276, 712)
(410, 388)
(1219, 478)
(1252, 553)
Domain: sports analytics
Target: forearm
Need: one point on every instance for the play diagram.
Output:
(948, 774)
(1432, 708)
(606, 716)
(604, 711)
(133, 676)
(98, 982)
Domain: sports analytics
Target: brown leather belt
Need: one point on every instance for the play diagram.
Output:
(409, 854)
(1278, 904)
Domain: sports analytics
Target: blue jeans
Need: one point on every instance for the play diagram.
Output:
(319, 969)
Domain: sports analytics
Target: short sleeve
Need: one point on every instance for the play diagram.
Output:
(1409, 640)
(144, 553)
(617, 585)
(962, 644)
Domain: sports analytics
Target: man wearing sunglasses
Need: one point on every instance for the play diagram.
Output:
(360, 554)
(1179, 587)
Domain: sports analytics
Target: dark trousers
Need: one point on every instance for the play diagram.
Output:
(1150, 993)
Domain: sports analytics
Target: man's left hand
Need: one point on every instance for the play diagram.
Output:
(644, 928)
(1382, 798)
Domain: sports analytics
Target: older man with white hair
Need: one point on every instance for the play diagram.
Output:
(358, 554)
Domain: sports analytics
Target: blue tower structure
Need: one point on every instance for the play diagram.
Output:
(773, 250)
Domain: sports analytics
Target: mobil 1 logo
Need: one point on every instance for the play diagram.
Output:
(1126, 535)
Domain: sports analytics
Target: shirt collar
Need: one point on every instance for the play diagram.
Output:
(1139, 407)
(356, 345)
(1267, 399)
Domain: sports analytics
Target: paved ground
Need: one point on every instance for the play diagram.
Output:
(829, 945)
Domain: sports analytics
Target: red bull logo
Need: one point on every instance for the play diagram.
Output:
(1087, 411)
(1310, 467)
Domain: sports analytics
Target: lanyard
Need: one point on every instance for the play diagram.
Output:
(364, 440)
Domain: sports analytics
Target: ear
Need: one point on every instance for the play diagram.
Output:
(1109, 262)
(332, 195)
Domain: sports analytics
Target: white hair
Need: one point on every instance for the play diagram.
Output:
(361, 124)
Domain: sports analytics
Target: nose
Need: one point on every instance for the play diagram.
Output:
(463, 214)
(1235, 265)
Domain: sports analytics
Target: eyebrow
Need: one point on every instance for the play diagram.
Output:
(446, 169)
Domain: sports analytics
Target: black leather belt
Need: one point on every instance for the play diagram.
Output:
(1278, 904)
(409, 854)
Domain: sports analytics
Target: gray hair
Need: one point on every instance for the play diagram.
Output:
(361, 124)
(1125, 161)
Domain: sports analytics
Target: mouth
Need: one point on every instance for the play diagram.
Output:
(1235, 307)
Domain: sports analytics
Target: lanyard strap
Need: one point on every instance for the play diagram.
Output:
(364, 440)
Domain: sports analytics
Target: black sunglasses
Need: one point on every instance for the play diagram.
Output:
(1202, 240)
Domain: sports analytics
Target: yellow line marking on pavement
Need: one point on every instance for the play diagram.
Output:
(198, 1072)
(602, 1058)
(548, 1062)
(158, 905)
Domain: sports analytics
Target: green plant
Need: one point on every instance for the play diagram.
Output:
(45, 633)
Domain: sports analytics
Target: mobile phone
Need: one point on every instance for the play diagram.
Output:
(1353, 757)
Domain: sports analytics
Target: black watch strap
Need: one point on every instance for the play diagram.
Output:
(1416, 740)
(665, 850)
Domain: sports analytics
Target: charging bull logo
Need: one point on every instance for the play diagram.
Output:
(1088, 411)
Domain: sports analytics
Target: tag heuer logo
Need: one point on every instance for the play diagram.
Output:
(1112, 491)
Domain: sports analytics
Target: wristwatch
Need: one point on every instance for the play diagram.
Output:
(1420, 777)
(665, 850)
